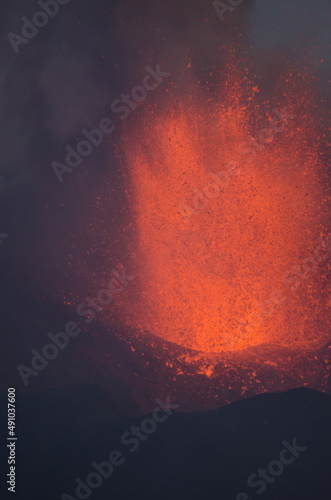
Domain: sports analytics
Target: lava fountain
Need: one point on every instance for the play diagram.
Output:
(225, 227)
(229, 198)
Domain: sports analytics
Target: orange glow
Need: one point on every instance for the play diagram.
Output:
(199, 278)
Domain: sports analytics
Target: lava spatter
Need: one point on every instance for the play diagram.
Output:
(202, 270)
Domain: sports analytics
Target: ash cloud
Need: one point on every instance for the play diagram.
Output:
(66, 78)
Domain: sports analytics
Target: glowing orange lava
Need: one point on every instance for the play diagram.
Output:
(202, 274)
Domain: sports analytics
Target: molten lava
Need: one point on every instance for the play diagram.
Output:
(205, 263)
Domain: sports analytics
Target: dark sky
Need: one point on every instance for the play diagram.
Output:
(66, 78)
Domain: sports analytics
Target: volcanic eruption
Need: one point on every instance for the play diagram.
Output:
(227, 232)
(229, 198)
